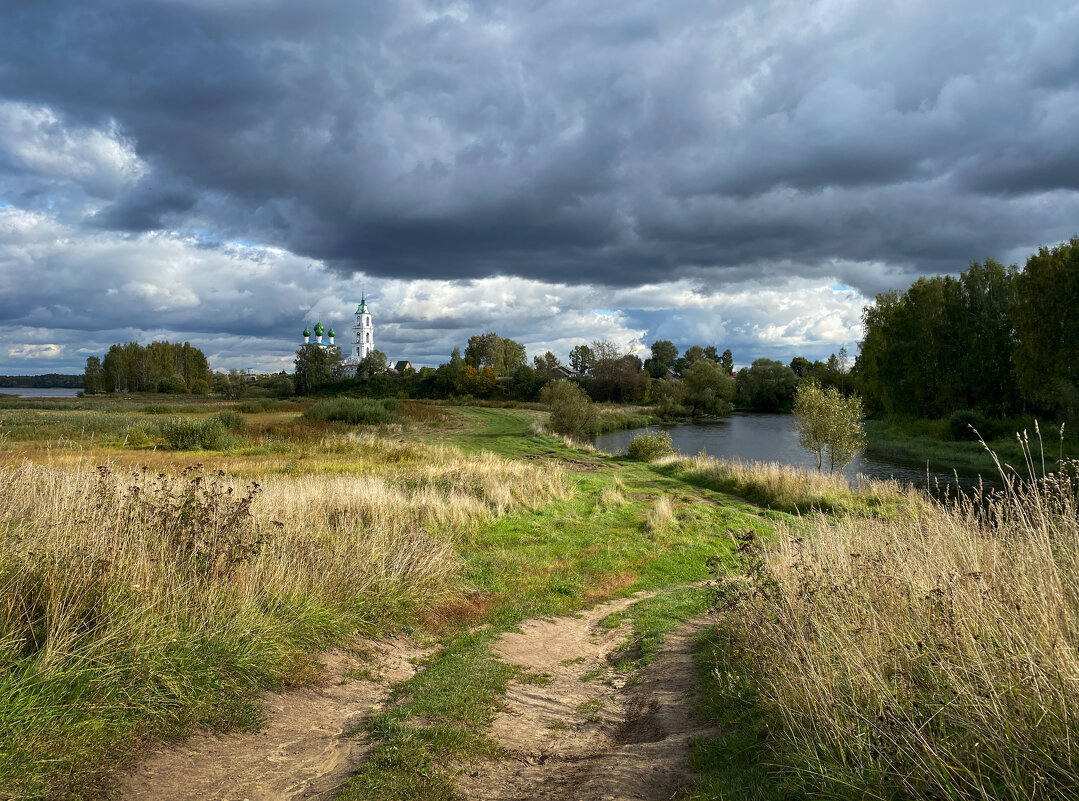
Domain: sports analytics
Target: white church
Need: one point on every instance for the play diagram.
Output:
(362, 342)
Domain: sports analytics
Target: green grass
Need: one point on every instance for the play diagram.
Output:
(737, 763)
(562, 558)
(652, 618)
(927, 442)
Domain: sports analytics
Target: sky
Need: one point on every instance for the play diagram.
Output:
(747, 175)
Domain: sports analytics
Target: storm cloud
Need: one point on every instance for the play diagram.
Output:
(223, 171)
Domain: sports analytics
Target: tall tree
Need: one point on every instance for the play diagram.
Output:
(545, 365)
(93, 378)
(314, 367)
(1046, 319)
(829, 423)
(664, 354)
(708, 388)
(767, 386)
(727, 361)
(581, 358)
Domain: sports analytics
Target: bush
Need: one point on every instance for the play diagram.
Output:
(650, 446)
(231, 420)
(173, 385)
(961, 422)
(572, 413)
(137, 437)
(258, 406)
(355, 411)
(160, 408)
(185, 434)
(200, 386)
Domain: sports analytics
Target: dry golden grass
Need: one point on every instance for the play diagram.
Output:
(795, 490)
(660, 516)
(929, 656)
(612, 496)
(136, 600)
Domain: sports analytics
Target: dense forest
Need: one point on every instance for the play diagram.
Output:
(157, 367)
(998, 341)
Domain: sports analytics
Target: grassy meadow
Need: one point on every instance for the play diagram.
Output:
(164, 561)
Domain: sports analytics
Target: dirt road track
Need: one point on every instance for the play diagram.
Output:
(575, 729)
(301, 752)
(595, 738)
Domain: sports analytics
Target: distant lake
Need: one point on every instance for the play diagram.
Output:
(41, 392)
(773, 438)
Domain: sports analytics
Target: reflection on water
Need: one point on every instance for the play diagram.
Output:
(772, 438)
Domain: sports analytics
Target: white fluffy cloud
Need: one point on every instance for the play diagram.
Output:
(245, 305)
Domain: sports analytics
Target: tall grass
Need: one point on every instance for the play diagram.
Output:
(355, 411)
(136, 603)
(788, 489)
(934, 656)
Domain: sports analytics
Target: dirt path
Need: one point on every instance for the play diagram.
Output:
(300, 752)
(575, 729)
(593, 738)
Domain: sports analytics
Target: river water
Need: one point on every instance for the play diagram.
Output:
(773, 438)
(41, 392)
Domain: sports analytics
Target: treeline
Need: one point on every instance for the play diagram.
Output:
(158, 367)
(699, 382)
(48, 380)
(998, 341)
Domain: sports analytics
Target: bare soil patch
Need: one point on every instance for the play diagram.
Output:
(573, 465)
(577, 730)
(301, 752)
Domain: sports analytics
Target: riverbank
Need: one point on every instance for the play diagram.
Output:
(918, 442)
(155, 584)
(151, 588)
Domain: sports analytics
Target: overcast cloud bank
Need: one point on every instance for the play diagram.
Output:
(740, 174)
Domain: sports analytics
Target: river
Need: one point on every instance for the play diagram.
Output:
(772, 438)
(41, 392)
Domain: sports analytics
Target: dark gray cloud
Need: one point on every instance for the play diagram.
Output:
(438, 139)
(720, 143)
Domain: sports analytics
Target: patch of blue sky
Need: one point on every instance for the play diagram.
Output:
(603, 312)
(842, 288)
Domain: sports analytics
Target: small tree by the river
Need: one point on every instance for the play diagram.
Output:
(829, 422)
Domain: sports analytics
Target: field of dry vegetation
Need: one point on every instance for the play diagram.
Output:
(922, 655)
(160, 565)
(136, 601)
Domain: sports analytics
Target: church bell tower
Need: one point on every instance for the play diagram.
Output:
(363, 343)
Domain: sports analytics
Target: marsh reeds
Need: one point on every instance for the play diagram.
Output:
(929, 656)
(135, 603)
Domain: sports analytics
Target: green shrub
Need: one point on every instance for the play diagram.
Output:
(186, 434)
(200, 386)
(965, 425)
(258, 406)
(572, 412)
(355, 411)
(160, 408)
(230, 419)
(650, 446)
(173, 385)
(137, 437)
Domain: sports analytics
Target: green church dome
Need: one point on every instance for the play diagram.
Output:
(307, 332)
(320, 329)
(331, 333)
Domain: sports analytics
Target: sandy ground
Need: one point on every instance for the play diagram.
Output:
(301, 752)
(575, 729)
(593, 738)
